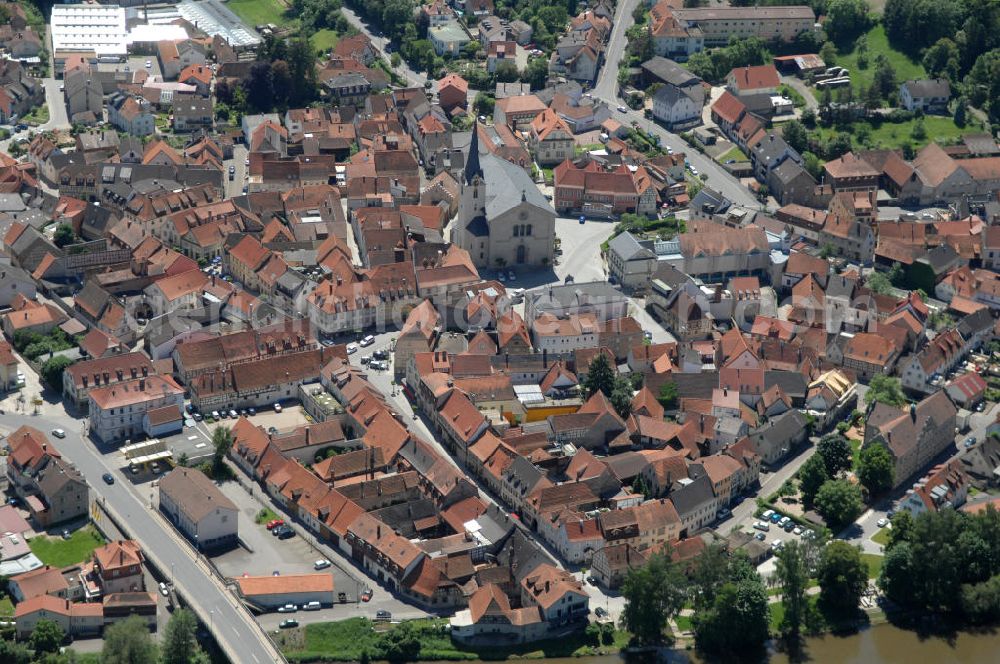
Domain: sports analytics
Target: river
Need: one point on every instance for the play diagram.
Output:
(881, 644)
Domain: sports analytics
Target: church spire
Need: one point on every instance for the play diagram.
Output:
(472, 167)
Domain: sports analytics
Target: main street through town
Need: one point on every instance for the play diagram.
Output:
(233, 627)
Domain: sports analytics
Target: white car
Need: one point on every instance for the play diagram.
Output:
(622, 109)
(762, 526)
(368, 340)
(163, 589)
(352, 348)
(58, 433)
(288, 608)
(322, 563)
(149, 64)
(776, 544)
(277, 407)
(767, 514)
(882, 523)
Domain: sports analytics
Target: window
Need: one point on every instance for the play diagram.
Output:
(529, 230)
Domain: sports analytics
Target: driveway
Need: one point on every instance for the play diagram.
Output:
(799, 86)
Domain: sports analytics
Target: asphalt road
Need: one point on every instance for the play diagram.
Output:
(415, 78)
(233, 628)
(606, 88)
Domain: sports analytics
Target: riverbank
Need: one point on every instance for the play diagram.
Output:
(358, 639)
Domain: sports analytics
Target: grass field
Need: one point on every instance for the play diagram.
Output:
(861, 79)
(6, 606)
(874, 563)
(265, 515)
(58, 552)
(894, 135)
(258, 12)
(684, 623)
(346, 640)
(735, 154)
(881, 537)
(324, 40)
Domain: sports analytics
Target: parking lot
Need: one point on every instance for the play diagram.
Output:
(134, 63)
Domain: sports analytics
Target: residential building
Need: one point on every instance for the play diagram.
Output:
(593, 190)
(199, 509)
(75, 619)
(448, 37)
(927, 95)
(550, 139)
(118, 412)
(677, 107)
(131, 115)
(753, 80)
(118, 567)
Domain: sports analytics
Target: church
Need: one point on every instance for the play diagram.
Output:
(503, 219)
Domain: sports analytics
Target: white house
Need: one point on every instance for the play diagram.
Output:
(674, 106)
(199, 509)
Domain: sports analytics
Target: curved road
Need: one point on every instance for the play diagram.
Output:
(237, 633)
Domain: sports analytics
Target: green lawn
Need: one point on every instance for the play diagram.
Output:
(861, 79)
(324, 40)
(881, 537)
(6, 606)
(346, 640)
(874, 563)
(684, 623)
(265, 515)
(894, 135)
(58, 552)
(777, 614)
(798, 101)
(259, 12)
(735, 154)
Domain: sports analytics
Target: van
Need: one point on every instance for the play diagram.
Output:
(311, 606)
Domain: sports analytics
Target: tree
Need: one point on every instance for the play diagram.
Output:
(536, 73)
(128, 642)
(902, 528)
(897, 576)
(836, 452)
(222, 441)
(621, 397)
(402, 643)
(600, 376)
(919, 131)
(812, 476)
(828, 53)
(738, 621)
(260, 93)
(281, 81)
(961, 112)
(793, 575)
(942, 59)
(47, 637)
(506, 72)
(653, 594)
(471, 50)
(885, 389)
(795, 135)
(14, 653)
(64, 235)
(484, 103)
(842, 576)
(668, 395)
(846, 19)
(179, 643)
(52, 371)
(884, 77)
(876, 471)
(839, 502)
(879, 283)
(708, 574)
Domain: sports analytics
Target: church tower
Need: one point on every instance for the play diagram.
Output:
(473, 184)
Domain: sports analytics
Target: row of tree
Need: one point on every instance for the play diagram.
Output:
(731, 612)
(945, 562)
(125, 642)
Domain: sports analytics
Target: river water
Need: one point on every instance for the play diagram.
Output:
(881, 644)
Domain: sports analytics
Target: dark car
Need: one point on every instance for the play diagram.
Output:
(383, 615)
(108, 478)
(288, 623)
(286, 533)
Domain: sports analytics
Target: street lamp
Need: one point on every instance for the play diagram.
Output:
(171, 573)
(211, 620)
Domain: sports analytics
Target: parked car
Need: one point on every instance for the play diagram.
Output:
(215, 414)
(288, 623)
(277, 407)
(288, 608)
(108, 478)
(163, 589)
(323, 563)
(58, 433)
(368, 340)
(762, 526)
(760, 537)
(622, 109)
(775, 518)
(383, 615)
(601, 612)
(776, 544)
(66, 535)
(251, 411)
(969, 442)
(287, 533)
(311, 606)
(352, 348)
(767, 514)
(274, 523)
(366, 596)
(366, 360)
(882, 523)
(789, 527)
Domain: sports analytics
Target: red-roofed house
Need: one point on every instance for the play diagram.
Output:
(453, 92)
(967, 390)
(757, 80)
(550, 139)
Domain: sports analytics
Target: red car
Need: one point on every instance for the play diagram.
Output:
(366, 596)
(275, 523)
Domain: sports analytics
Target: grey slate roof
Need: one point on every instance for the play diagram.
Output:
(670, 72)
(506, 184)
(692, 496)
(792, 382)
(928, 88)
(628, 247)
